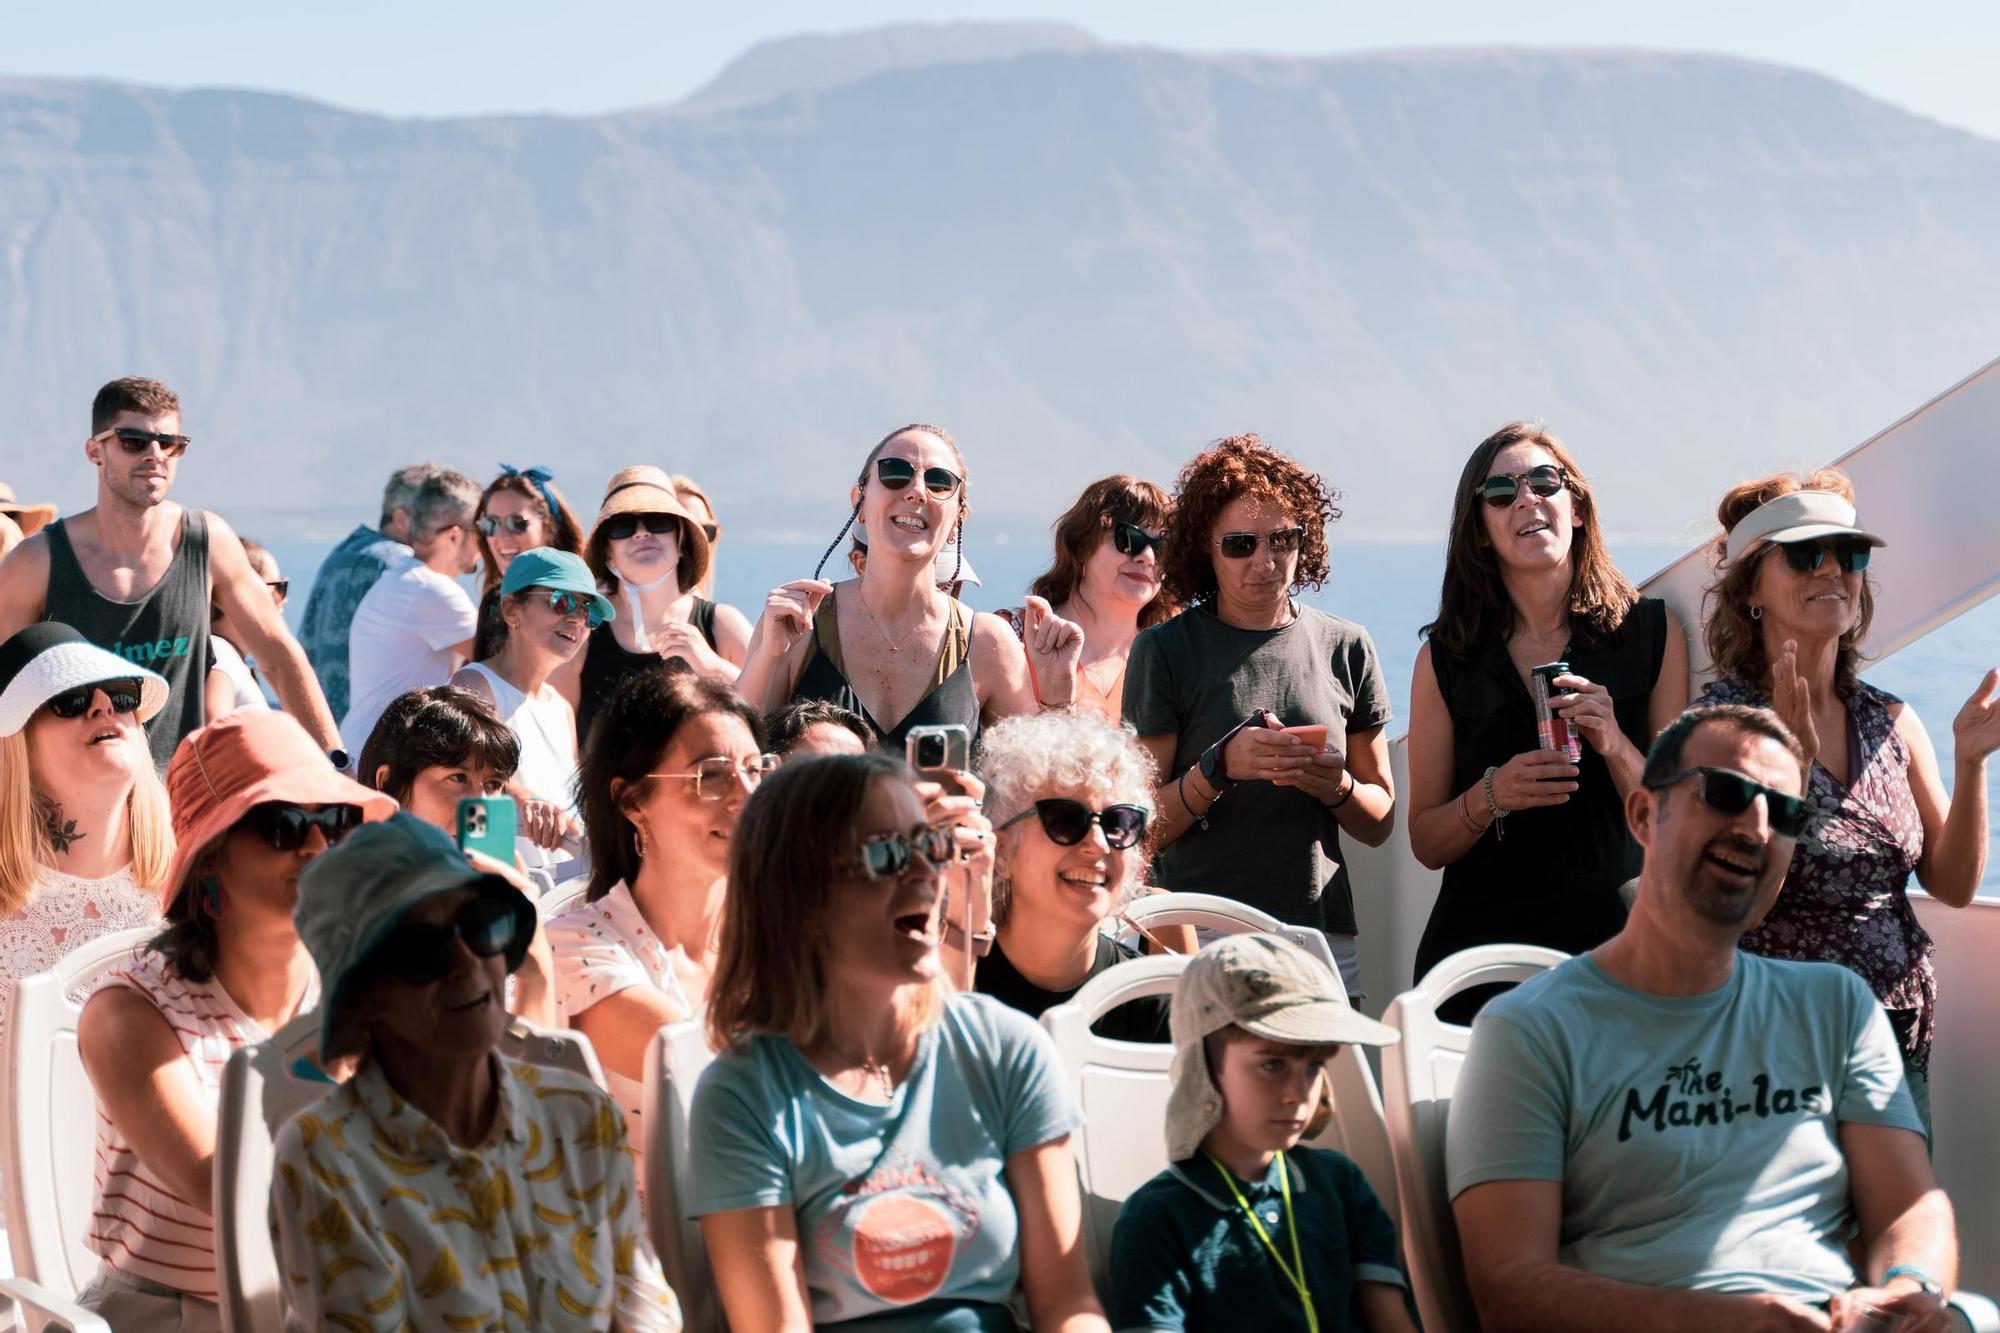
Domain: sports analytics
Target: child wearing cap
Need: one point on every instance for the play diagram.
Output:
(1245, 1228)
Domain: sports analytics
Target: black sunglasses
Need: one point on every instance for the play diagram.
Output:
(1068, 822)
(417, 953)
(1807, 556)
(888, 855)
(135, 441)
(123, 694)
(1730, 793)
(1131, 539)
(284, 827)
(896, 473)
(491, 526)
(281, 588)
(625, 526)
(711, 531)
(1502, 489)
(1242, 545)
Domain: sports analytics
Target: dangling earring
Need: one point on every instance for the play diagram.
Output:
(1756, 613)
(211, 895)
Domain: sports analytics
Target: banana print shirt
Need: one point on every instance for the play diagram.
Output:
(382, 1223)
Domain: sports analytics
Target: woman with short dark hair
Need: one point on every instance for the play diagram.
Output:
(436, 746)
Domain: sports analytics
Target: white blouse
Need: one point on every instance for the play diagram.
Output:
(62, 913)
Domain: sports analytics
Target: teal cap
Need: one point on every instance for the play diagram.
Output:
(563, 571)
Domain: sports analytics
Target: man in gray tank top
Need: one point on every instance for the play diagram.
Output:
(135, 573)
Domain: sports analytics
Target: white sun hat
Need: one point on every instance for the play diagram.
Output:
(48, 659)
(1800, 516)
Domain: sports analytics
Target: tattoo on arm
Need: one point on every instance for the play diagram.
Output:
(62, 833)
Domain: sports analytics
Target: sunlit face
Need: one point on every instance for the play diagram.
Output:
(1535, 532)
(139, 480)
(449, 544)
(911, 524)
(436, 791)
(676, 820)
(1065, 890)
(1823, 603)
(645, 556)
(99, 751)
(825, 738)
(1264, 578)
(1269, 1090)
(255, 877)
(536, 625)
(1728, 868)
(884, 932)
(1111, 578)
(505, 543)
(463, 1011)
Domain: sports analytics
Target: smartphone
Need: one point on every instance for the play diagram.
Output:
(486, 824)
(1312, 733)
(940, 753)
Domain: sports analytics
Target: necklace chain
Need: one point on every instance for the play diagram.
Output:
(895, 645)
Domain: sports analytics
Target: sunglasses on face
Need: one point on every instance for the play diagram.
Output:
(890, 855)
(711, 531)
(1730, 793)
(1130, 539)
(1068, 822)
(896, 473)
(568, 604)
(492, 526)
(284, 827)
(1805, 557)
(280, 588)
(714, 775)
(626, 526)
(135, 441)
(1243, 545)
(1503, 488)
(123, 695)
(419, 952)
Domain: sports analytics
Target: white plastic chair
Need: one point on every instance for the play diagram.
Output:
(559, 898)
(263, 1086)
(48, 1126)
(675, 1059)
(1208, 911)
(1122, 1087)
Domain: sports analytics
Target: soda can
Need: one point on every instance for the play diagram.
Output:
(1555, 731)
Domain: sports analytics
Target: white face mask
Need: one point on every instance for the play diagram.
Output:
(629, 592)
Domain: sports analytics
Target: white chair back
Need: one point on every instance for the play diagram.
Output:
(1417, 1076)
(265, 1085)
(1225, 916)
(675, 1059)
(559, 898)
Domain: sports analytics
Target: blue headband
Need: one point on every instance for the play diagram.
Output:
(541, 476)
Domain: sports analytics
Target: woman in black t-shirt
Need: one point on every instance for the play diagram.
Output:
(1534, 848)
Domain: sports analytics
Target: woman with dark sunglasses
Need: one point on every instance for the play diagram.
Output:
(254, 802)
(1106, 580)
(1787, 613)
(518, 511)
(1533, 845)
(890, 645)
(85, 833)
(872, 1147)
(1264, 718)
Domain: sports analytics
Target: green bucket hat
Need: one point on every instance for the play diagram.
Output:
(546, 567)
(353, 895)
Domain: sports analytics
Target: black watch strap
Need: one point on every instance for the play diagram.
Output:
(1213, 766)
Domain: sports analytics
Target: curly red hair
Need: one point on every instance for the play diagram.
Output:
(1238, 466)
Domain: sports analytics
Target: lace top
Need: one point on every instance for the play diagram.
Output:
(63, 912)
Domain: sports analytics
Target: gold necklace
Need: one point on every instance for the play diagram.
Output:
(895, 646)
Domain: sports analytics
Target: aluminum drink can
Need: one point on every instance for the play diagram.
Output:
(1555, 731)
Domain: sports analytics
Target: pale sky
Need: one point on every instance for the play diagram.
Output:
(1940, 58)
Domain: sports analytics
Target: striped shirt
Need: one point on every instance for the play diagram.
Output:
(137, 1225)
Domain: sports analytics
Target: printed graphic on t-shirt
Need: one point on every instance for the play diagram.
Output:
(1689, 1097)
(897, 1231)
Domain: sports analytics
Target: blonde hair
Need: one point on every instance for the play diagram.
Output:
(24, 832)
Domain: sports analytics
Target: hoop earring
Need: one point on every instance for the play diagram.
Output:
(1756, 613)
(639, 838)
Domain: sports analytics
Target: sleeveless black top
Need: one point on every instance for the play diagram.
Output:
(952, 697)
(1554, 879)
(166, 631)
(607, 661)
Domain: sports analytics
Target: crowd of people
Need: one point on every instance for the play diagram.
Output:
(729, 814)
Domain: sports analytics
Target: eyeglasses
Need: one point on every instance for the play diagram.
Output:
(1068, 822)
(713, 775)
(1132, 540)
(123, 694)
(623, 527)
(135, 441)
(567, 604)
(280, 588)
(889, 855)
(1243, 545)
(1807, 556)
(417, 953)
(1503, 488)
(711, 531)
(1730, 793)
(896, 473)
(284, 827)
(490, 525)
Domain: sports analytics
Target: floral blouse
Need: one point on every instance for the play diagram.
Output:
(1846, 898)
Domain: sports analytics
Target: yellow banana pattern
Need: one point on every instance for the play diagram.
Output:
(383, 1224)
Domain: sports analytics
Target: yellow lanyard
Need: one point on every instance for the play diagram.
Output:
(1295, 1272)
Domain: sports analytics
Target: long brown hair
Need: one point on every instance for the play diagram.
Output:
(564, 534)
(1086, 525)
(1735, 640)
(1241, 465)
(1474, 609)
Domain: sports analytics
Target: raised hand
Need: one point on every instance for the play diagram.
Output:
(1054, 646)
(1587, 708)
(681, 639)
(788, 614)
(542, 824)
(1975, 732)
(1533, 779)
(1791, 699)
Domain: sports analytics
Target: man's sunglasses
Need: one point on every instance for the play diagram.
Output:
(1243, 545)
(567, 604)
(284, 827)
(1130, 539)
(1068, 822)
(896, 473)
(417, 953)
(1503, 488)
(625, 526)
(889, 855)
(135, 441)
(123, 694)
(1730, 793)
(1807, 556)
(490, 525)
(714, 776)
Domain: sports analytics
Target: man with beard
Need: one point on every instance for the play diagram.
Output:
(134, 574)
(1668, 1133)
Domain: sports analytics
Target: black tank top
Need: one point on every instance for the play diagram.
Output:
(952, 697)
(166, 631)
(607, 661)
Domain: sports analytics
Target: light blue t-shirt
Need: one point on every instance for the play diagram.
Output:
(904, 1218)
(1696, 1137)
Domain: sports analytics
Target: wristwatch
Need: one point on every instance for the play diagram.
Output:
(1911, 1273)
(338, 757)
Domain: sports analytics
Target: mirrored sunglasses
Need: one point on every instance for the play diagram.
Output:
(712, 776)
(1730, 793)
(623, 527)
(896, 473)
(890, 855)
(491, 526)
(284, 826)
(419, 952)
(1242, 545)
(1503, 488)
(1068, 822)
(567, 604)
(1129, 539)
(123, 695)
(135, 441)
(1807, 556)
